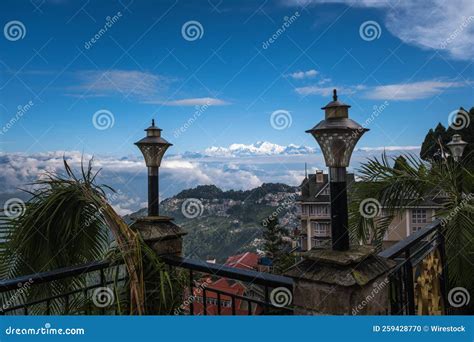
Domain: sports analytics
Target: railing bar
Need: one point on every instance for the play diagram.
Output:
(103, 283)
(266, 300)
(233, 305)
(260, 278)
(409, 284)
(218, 303)
(204, 298)
(191, 293)
(408, 242)
(61, 273)
(61, 295)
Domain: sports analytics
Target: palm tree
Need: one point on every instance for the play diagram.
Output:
(407, 183)
(67, 222)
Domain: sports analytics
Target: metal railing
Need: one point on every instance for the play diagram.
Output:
(254, 297)
(54, 293)
(259, 290)
(409, 255)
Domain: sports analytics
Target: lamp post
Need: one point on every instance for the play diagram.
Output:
(456, 148)
(337, 136)
(153, 147)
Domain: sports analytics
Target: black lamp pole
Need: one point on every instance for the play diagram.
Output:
(339, 210)
(153, 192)
(337, 136)
(153, 147)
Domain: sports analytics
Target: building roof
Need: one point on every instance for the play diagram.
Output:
(247, 261)
(312, 191)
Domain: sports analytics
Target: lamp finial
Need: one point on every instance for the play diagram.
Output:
(153, 122)
(334, 94)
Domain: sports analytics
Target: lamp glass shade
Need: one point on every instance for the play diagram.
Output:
(153, 153)
(337, 145)
(456, 146)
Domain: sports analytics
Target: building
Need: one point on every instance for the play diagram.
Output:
(412, 219)
(315, 210)
(315, 216)
(223, 286)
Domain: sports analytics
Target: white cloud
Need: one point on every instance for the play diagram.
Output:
(198, 101)
(299, 75)
(238, 166)
(326, 91)
(134, 83)
(411, 91)
(394, 92)
(388, 148)
(429, 24)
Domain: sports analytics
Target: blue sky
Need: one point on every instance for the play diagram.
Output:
(418, 66)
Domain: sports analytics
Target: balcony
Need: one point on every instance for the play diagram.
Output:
(415, 257)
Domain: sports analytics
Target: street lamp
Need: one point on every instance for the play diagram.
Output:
(337, 136)
(456, 147)
(153, 147)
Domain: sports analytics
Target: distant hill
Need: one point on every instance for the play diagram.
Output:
(227, 222)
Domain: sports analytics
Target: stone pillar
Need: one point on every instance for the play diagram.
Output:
(161, 234)
(165, 238)
(353, 282)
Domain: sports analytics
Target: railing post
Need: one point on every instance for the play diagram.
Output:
(409, 284)
(164, 238)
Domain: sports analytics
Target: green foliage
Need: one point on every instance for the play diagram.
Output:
(440, 136)
(408, 185)
(67, 222)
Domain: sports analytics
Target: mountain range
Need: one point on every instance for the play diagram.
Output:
(223, 223)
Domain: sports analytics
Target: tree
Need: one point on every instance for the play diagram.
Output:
(463, 124)
(274, 246)
(67, 222)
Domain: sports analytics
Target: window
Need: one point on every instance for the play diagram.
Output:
(321, 229)
(304, 210)
(418, 216)
(319, 210)
(414, 229)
